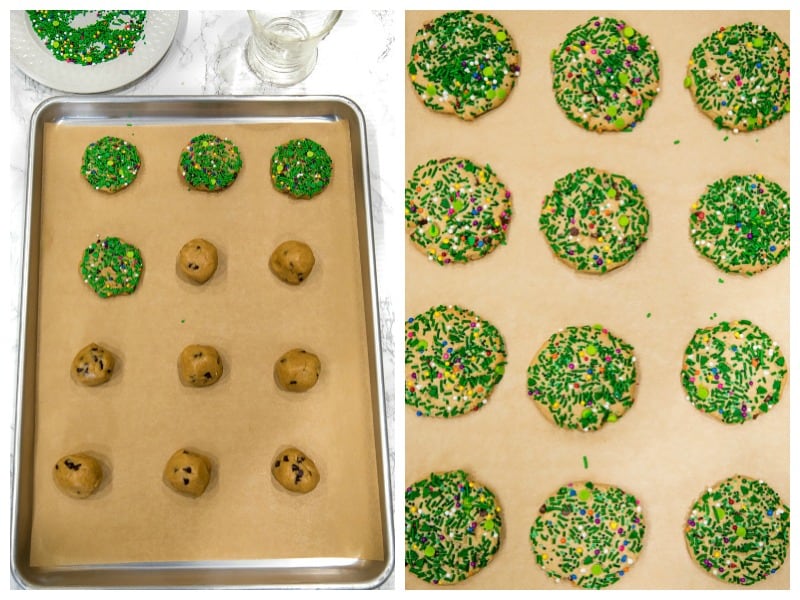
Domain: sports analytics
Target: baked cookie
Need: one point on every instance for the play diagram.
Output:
(454, 358)
(295, 471)
(453, 527)
(187, 472)
(594, 221)
(111, 267)
(78, 475)
(741, 224)
(456, 210)
(733, 371)
(583, 377)
(210, 163)
(301, 168)
(199, 366)
(292, 261)
(589, 534)
(198, 260)
(463, 63)
(605, 75)
(738, 530)
(93, 365)
(297, 370)
(110, 164)
(739, 77)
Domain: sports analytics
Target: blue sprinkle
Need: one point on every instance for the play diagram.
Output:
(589, 371)
(573, 493)
(583, 511)
(772, 248)
(634, 187)
(480, 243)
(735, 348)
(758, 65)
(774, 108)
(621, 573)
(724, 103)
(624, 558)
(769, 512)
(410, 319)
(419, 413)
(714, 370)
(625, 543)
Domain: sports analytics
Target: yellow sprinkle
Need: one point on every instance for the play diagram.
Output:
(600, 239)
(545, 556)
(413, 78)
(579, 550)
(717, 554)
(556, 405)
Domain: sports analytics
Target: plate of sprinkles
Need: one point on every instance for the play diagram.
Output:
(90, 51)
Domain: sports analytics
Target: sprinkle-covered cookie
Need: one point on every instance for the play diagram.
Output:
(463, 63)
(583, 377)
(110, 164)
(589, 534)
(456, 210)
(301, 168)
(733, 371)
(454, 358)
(605, 75)
(210, 163)
(739, 77)
(741, 224)
(738, 530)
(453, 527)
(594, 221)
(111, 267)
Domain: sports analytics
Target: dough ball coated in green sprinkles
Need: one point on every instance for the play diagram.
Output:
(594, 221)
(739, 77)
(111, 267)
(738, 530)
(605, 75)
(589, 534)
(583, 377)
(453, 527)
(454, 358)
(210, 163)
(741, 224)
(463, 63)
(733, 371)
(301, 168)
(110, 164)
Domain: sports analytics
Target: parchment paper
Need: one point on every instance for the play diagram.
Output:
(663, 451)
(144, 414)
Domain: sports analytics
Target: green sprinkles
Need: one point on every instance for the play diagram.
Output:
(110, 164)
(301, 168)
(111, 267)
(210, 163)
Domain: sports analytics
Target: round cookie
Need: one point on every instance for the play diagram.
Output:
(453, 527)
(594, 221)
(295, 471)
(463, 63)
(111, 267)
(297, 370)
(741, 224)
(78, 475)
(605, 75)
(187, 472)
(738, 530)
(110, 164)
(454, 358)
(733, 371)
(583, 377)
(93, 365)
(210, 163)
(739, 77)
(301, 168)
(589, 534)
(292, 261)
(199, 366)
(456, 210)
(198, 260)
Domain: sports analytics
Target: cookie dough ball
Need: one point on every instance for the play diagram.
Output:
(188, 472)
(92, 365)
(199, 366)
(210, 163)
(111, 267)
(110, 164)
(198, 260)
(301, 168)
(292, 262)
(297, 370)
(295, 471)
(78, 475)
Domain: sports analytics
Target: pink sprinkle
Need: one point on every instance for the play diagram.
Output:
(691, 379)
(593, 50)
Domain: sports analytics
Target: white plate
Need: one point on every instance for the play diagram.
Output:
(32, 57)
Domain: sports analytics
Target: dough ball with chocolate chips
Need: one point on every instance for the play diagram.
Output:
(92, 365)
(198, 260)
(292, 262)
(199, 366)
(188, 472)
(297, 370)
(78, 475)
(295, 471)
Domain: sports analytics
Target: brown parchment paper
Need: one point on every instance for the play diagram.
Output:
(663, 451)
(144, 414)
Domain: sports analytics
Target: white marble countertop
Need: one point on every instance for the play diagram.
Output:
(356, 60)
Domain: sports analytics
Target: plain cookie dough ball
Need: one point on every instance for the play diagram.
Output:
(199, 366)
(78, 475)
(292, 262)
(188, 472)
(297, 370)
(295, 471)
(92, 365)
(198, 260)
